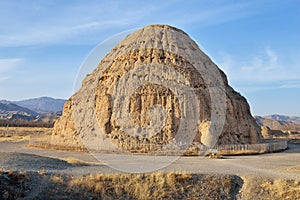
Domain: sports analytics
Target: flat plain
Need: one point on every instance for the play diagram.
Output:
(278, 173)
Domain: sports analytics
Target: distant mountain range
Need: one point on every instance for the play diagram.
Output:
(38, 111)
(46, 110)
(284, 118)
(39, 106)
(279, 122)
(10, 110)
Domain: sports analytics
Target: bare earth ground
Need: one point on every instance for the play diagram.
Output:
(17, 156)
(14, 150)
(266, 176)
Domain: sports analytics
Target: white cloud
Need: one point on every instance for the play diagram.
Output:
(219, 14)
(7, 65)
(290, 84)
(72, 22)
(55, 34)
(273, 58)
(48, 23)
(262, 68)
(3, 78)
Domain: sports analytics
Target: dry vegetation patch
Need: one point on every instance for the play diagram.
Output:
(282, 189)
(14, 138)
(294, 169)
(18, 134)
(13, 185)
(157, 186)
(270, 189)
(124, 186)
(77, 162)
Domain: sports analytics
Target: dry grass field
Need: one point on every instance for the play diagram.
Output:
(17, 134)
(119, 186)
(33, 173)
(157, 185)
(255, 187)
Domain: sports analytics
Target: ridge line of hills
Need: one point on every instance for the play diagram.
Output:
(283, 118)
(278, 125)
(36, 106)
(47, 109)
(41, 111)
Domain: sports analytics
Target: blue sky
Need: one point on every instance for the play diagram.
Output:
(256, 43)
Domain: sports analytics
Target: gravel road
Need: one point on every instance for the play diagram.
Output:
(17, 156)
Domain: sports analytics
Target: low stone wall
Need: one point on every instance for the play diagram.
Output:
(240, 149)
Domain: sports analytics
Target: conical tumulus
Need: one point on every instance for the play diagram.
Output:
(154, 90)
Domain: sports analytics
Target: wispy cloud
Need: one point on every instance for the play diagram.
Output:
(261, 68)
(3, 78)
(72, 22)
(218, 14)
(52, 35)
(290, 84)
(7, 65)
(48, 23)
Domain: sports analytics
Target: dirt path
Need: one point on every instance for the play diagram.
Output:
(17, 156)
